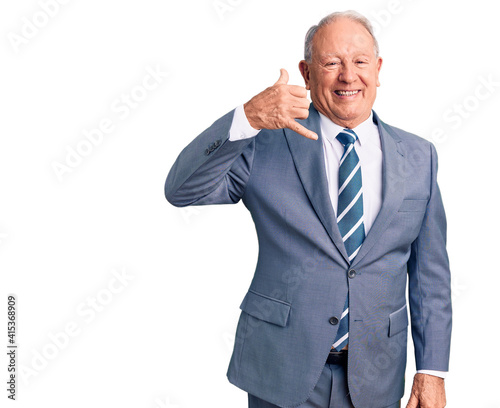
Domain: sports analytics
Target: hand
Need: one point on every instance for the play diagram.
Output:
(278, 106)
(427, 392)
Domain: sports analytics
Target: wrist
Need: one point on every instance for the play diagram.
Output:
(251, 115)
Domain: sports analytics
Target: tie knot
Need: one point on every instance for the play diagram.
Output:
(347, 137)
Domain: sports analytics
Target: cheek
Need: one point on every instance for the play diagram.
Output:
(370, 80)
(325, 84)
(316, 86)
(324, 76)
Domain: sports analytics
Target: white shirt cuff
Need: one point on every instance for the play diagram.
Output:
(240, 128)
(441, 374)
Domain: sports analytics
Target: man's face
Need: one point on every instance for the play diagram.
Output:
(343, 73)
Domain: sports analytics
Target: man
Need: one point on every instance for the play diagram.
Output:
(345, 208)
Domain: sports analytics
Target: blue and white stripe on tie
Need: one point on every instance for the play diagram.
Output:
(349, 216)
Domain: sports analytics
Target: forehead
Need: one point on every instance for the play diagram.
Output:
(343, 37)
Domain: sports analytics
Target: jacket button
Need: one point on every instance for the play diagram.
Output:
(351, 273)
(333, 320)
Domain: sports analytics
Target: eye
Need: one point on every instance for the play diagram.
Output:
(332, 64)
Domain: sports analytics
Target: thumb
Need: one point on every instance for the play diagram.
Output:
(283, 79)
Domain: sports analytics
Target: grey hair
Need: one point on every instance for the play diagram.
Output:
(349, 14)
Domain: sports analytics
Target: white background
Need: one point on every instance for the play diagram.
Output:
(164, 337)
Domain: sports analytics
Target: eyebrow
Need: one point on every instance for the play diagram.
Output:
(336, 55)
(330, 54)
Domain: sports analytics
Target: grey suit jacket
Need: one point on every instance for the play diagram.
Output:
(303, 275)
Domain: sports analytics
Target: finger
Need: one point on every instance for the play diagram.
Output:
(413, 402)
(297, 90)
(301, 130)
(299, 113)
(283, 79)
(301, 103)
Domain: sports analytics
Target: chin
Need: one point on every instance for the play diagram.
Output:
(349, 115)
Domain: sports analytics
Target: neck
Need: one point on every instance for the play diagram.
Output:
(345, 123)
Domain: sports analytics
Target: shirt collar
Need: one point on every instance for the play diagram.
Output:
(364, 130)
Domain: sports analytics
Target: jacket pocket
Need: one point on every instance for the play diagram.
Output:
(265, 308)
(413, 206)
(398, 321)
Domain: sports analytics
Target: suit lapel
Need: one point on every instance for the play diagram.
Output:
(393, 170)
(309, 160)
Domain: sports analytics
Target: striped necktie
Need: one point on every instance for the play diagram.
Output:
(349, 216)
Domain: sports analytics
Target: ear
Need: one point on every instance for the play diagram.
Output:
(379, 65)
(304, 70)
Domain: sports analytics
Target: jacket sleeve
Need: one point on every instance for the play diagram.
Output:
(429, 284)
(211, 169)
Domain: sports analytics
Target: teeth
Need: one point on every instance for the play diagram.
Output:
(346, 93)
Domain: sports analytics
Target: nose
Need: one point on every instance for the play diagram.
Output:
(347, 73)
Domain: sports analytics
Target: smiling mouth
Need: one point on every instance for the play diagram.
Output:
(347, 93)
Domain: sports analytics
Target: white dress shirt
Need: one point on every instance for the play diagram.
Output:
(369, 149)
